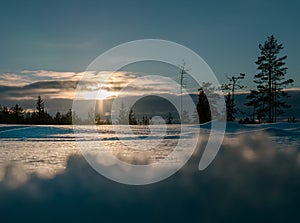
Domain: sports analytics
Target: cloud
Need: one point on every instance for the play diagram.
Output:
(251, 180)
(27, 84)
(54, 75)
(292, 89)
(9, 79)
(48, 89)
(133, 84)
(26, 77)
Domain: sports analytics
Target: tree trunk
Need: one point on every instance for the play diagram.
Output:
(270, 95)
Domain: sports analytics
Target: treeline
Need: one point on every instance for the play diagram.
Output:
(268, 99)
(18, 115)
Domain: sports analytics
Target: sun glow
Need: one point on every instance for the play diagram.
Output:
(97, 95)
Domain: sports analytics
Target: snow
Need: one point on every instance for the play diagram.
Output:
(249, 175)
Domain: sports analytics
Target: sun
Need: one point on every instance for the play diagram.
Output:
(97, 95)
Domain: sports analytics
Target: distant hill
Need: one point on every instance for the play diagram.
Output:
(151, 105)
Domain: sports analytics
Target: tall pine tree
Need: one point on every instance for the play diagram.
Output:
(40, 106)
(270, 80)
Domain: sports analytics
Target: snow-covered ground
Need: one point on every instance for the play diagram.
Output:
(254, 178)
(46, 148)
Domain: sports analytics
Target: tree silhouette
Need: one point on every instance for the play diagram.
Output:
(183, 72)
(230, 107)
(145, 120)
(98, 119)
(57, 118)
(67, 118)
(211, 92)
(270, 81)
(40, 116)
(131, 118)
(40, 106)
(169, 118)
(231, 87)
(17, 114)
(203, 108)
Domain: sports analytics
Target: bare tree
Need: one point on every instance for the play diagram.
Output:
(233, 85)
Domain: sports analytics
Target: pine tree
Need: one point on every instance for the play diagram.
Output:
(271, 79)
(4, 115)
(40, 116)
(131, 117)
(57, 118)
(252, 101)
(211, 93)
(203, 107)
(40, 106)
(67, 118)
(17, 114)
(230, 107)
(98, 119)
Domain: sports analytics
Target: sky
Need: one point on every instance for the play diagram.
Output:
(61, 38)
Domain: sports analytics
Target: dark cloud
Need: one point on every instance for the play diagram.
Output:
(249, 181)
(53, 84)
(58, 95)
(32, 90)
